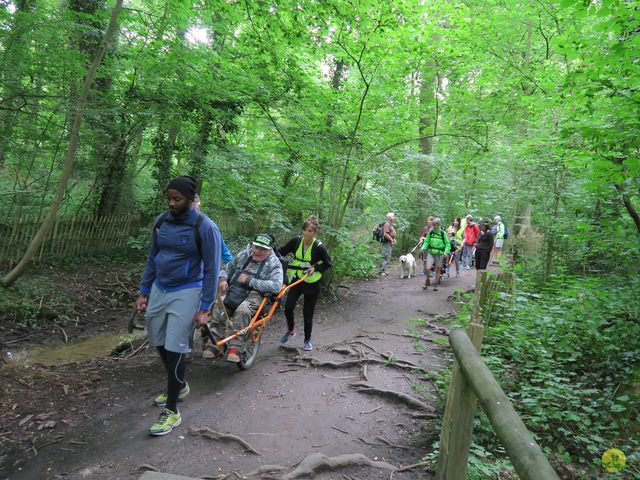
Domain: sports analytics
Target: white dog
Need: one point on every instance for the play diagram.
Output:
(408, 264)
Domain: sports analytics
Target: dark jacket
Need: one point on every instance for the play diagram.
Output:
(486, 241)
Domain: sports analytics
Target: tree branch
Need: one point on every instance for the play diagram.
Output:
(386, 149)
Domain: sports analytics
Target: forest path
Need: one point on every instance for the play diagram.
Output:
(285, 407)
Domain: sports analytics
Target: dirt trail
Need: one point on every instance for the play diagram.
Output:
(285, 407)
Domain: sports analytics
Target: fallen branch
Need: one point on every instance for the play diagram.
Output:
(394, 445)
(213, 435)
(419, 416)
(138, 349)
(342, 377)
(415, 465)
(371, 411)
(397, 396)
(340, 430)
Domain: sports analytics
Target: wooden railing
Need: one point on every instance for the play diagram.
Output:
(471, 380)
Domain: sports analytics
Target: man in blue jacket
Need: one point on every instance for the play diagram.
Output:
(177, 289)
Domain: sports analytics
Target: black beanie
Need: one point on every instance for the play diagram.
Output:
(186, 185)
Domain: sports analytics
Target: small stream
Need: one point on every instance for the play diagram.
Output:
(77, 350)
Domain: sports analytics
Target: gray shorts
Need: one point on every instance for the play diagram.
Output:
(436, 259)
(169, 318)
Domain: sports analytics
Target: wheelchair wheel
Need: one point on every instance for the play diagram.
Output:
(249, 350)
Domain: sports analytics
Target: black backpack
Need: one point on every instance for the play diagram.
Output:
(378, 233)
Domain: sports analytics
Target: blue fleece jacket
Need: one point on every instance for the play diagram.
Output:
(174, 262)
(226, 254)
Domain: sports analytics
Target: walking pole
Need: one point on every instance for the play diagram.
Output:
(224, 310)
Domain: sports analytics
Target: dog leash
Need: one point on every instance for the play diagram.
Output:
(414, 248)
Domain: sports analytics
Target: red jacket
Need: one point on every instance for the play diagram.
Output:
(471, 234)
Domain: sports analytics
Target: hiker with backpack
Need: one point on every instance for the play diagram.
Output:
(455, 232)
(427, 228)
(388, 240)
(436, 246)
(177, 289)
(469, 242)
(500, 235)
(312, 258)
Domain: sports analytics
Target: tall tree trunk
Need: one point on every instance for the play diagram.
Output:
(164, 146)
(558, 187)
(13, 60)
(336, 82)
(67, 169)
(201, 147)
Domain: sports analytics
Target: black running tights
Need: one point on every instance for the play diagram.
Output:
(310, 292)
(176, 364)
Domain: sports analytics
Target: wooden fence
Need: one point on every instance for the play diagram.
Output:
(471, 380)
(77, 236)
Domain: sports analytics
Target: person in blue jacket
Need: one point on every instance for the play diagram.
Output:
(226, 253)
(177, 289)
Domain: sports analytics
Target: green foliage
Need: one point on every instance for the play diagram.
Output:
(28, 307)
(566, 355)
(353, 257)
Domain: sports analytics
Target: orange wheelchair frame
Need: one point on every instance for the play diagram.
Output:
(251, 335)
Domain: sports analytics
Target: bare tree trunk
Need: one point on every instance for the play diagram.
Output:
(626, 200)
(164, 146)
(67, 169)
(13, 60)
(201, 148)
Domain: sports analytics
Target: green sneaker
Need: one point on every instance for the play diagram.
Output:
(161, 400)
(167, 421)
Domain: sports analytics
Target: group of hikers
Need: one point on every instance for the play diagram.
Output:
(189, 268)
(464, 243)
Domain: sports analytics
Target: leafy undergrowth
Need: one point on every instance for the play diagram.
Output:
(66, 299)
(566, 352)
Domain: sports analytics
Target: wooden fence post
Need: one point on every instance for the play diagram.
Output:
(457, 423)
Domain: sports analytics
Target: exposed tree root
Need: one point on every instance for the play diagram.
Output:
(213, 435)
(266, 471)
(401, 364)
(397, 396)
(317, 462)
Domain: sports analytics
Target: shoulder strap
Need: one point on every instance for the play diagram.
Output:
(196, 232)
(235, 277)
(196, 229)
(161, 219)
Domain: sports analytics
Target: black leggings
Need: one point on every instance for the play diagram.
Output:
(310, 292)
(176, 364)
(482, 259)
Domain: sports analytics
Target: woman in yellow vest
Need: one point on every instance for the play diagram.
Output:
(310, 257)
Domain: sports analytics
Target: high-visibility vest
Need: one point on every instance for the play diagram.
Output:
(303, 260)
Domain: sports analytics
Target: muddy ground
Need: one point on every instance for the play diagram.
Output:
(362, 392)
